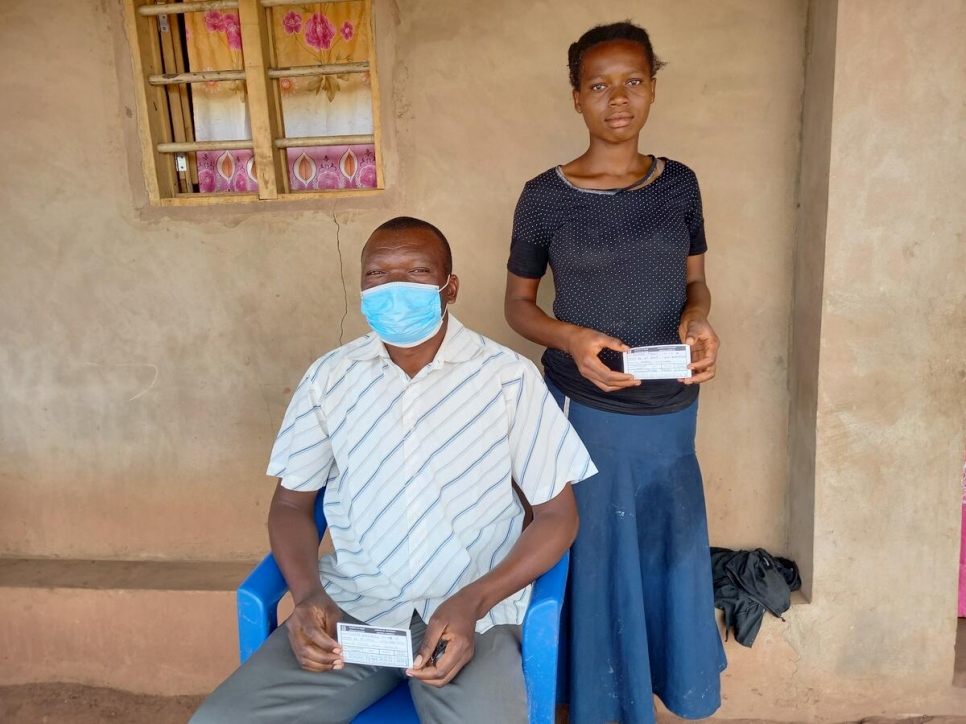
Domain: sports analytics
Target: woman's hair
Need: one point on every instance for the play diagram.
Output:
(606, 34)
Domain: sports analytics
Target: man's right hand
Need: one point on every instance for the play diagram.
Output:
(311, 632)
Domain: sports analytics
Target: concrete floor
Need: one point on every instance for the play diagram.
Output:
(76, 704)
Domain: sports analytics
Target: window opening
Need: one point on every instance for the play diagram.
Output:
(256, 99)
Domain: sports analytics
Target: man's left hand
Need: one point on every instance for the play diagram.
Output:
(454, 623)
(704, 348)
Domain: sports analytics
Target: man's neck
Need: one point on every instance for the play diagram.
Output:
(412, 359)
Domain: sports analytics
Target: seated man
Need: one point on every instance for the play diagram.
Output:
(417, 432)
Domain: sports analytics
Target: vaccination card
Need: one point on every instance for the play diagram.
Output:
(375, 646)
(659, 362)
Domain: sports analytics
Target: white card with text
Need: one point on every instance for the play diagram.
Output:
(375, 646)
(659, 362)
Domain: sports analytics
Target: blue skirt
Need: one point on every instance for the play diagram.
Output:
(639, 618)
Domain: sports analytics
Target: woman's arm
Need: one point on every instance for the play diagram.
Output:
(694, 329)
(528, 320)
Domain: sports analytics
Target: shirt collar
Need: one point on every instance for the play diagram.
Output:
(459, 345)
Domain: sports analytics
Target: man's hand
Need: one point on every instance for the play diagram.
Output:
(696, 331)
(584, 345)
(454, 623)
(311, 633)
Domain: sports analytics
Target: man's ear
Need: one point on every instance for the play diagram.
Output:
(452, 289)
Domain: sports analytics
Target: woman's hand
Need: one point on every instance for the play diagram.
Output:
(584, 345)
(696, 331)
(312, 635)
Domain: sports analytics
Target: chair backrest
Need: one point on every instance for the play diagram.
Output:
(320, 521)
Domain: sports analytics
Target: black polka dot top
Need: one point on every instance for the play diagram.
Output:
(619, 261)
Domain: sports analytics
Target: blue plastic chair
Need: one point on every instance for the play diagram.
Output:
(259, 595)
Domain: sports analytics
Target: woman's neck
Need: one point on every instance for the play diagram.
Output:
(612, 159)
(607, 165)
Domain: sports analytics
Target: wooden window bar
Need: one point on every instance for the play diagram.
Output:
(242, 144)
(280, 3)
(202, 76)
(177, 8)
(325, 141)
(300, 71)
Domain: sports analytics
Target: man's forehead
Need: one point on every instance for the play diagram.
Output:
(421, 242)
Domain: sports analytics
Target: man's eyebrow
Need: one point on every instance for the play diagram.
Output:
(427, 261)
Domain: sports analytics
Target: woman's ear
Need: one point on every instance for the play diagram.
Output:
(577, 102)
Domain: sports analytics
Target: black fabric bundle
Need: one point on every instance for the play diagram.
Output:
(746, 583)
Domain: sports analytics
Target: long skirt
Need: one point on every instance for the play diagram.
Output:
(639, 618)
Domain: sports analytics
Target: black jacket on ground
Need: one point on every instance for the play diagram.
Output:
(746, 583)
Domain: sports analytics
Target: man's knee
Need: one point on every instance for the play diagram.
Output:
(211, 712)
(221, 710)
(490, 689)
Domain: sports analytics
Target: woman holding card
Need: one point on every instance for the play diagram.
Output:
(624, 235)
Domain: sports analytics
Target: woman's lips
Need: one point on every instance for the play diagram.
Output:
(619, 120)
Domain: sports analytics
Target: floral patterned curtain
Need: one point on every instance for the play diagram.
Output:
(322, 33)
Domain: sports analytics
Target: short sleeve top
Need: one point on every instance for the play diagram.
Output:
(419, 471)
(619, 261)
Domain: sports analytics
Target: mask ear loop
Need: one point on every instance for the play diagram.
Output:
(446, 307)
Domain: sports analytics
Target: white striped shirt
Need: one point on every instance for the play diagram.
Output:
(418, 471)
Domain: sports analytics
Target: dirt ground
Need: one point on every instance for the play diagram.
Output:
(76, 704)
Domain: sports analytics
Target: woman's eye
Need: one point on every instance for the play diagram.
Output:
(597, 87)
(634, 81)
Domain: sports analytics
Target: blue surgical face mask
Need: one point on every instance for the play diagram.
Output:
(403, 314)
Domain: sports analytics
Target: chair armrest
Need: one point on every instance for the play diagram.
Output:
(257, 599)
(541, 639)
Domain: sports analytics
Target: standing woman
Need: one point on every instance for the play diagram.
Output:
(624, 235)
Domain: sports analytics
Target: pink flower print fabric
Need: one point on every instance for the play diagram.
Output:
(214, 21)
(292, 22)
(226, 171)
(233, 31)
(320, 168)
(319, 32)
(226, 23)
(328, 168)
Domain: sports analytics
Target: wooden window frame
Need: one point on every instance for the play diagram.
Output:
(162, 107)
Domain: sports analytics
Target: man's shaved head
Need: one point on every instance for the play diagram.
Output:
(408, 223)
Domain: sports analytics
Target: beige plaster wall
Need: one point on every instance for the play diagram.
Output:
(809, 274)
(146, 356)
(889, 387)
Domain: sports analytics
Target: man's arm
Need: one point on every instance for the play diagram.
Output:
(295, 545)
(539, 547)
